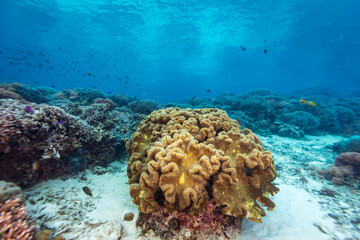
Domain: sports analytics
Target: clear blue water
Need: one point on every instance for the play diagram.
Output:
(173, 50)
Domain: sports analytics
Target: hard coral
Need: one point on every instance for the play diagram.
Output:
(36, 139)
(14, 224)
(185, 158)
(347, 167)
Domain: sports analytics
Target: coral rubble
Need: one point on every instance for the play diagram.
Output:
(186, 159)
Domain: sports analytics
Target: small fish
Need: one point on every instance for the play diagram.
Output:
(84, 101)
(109, 92)
(36, 82)
(243, 48)
(89, 73)
(303, 101)
(265, 50)
(265, 41)
(87, 191)
(312, 104)
(36, 166)
(208, 90)
(59, 122)
(29, 109)
(52, 86)
(40, 90)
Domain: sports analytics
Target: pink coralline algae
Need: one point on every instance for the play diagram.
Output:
(167, 224)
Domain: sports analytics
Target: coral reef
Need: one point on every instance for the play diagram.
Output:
(36, 140)
(305, 121)
(143, 107)
(212, 222)
(107, 102)
(9, 190)
(8, 94)
(184, 158)
(14, 223)
(346, 168)
(349, 145)
(260, 109)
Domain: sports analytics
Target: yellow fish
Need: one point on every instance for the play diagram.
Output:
(83, 101)
(303, 101)
(312, 104)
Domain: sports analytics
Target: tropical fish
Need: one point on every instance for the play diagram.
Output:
(87, 191)
(36, 166)
(265, 50)
(303, 101)
(84, 101)
(59, 122)
(29, 109)
(243, 48)
(208, 90)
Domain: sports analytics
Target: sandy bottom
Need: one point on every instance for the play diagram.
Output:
(300, 212)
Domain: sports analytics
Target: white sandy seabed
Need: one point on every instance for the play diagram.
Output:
(300, 212)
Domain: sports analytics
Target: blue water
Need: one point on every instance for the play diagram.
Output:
(173, 50)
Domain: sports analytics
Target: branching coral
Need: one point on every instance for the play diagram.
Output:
(185, 158)
(14, 224)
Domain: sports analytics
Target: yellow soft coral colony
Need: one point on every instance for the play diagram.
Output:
(182, 158)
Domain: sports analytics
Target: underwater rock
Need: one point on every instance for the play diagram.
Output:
(175, 152)
(9, 190)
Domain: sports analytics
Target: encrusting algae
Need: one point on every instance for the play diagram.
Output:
(188, 158)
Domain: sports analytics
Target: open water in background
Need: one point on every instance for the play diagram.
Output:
(173, 50)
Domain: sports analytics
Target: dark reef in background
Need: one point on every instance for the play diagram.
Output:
(48, 133)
